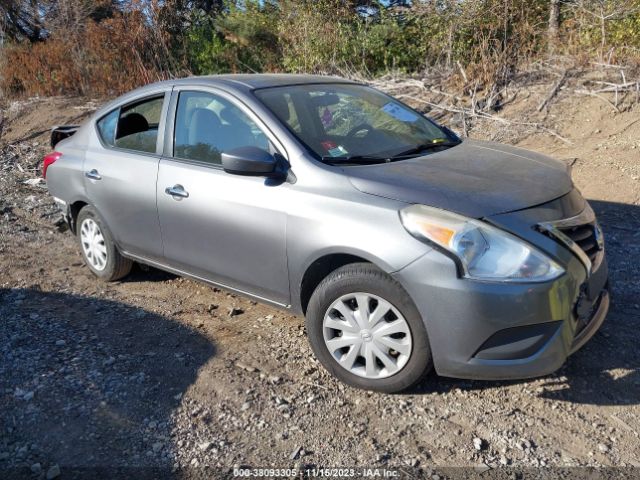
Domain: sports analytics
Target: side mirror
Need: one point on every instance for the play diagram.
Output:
(252, 161)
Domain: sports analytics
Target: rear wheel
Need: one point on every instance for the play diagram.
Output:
(365, 330)
(98, 248)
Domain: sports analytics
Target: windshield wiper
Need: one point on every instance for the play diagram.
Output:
(371, 159)
(423, 147)
(355, 160)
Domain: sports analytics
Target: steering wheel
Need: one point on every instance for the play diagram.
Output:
(359, 128)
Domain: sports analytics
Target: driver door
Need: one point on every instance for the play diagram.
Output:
(224, 228)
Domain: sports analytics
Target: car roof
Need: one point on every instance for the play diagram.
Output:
(230, 82)
(251, 81)
(264, 80)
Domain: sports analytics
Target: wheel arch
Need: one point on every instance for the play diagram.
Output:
(318, 269)
(73, 211)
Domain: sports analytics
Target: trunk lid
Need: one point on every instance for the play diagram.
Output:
(61, 132)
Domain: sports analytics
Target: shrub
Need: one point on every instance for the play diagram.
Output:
(105, 58)
(478, 43)
(242, 40)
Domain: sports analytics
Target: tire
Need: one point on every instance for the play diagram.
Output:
(99, 251)
(363, 283)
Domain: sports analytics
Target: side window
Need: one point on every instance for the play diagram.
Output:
(138, 125)
(107, 127)
(207, 125)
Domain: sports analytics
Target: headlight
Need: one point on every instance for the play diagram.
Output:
(483, 251)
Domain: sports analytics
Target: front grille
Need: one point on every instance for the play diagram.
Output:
(585, 237)
(581, 234)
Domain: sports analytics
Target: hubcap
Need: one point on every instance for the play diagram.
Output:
(367, 335)
(93, 245)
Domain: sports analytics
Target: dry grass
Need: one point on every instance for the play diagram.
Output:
(107, 57)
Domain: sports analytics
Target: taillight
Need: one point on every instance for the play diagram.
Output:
(48, 160)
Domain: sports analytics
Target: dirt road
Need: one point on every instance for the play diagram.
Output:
(161, 372)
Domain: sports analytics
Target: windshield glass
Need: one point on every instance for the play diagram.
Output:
(344, 121)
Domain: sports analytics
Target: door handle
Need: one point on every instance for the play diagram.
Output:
(93, 175)
(177, 191)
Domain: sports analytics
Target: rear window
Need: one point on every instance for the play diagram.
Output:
(133, 127)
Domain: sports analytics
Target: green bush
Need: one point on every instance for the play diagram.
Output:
(240, 40)
(482, 43)
(491, 39)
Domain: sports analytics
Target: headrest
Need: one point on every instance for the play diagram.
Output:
(203, 126)
(206, 117)
(229, 116)
(132, 123)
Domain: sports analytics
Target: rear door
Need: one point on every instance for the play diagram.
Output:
(225, 228)
(121, 173)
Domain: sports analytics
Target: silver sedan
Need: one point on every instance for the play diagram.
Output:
(405, 247)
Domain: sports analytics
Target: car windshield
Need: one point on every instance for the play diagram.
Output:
(342, 123)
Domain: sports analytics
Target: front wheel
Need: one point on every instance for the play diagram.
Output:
(365, 329)
(99, 251)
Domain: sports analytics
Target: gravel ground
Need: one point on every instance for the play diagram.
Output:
(158, 376)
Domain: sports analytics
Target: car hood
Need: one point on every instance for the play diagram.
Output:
(476, 179)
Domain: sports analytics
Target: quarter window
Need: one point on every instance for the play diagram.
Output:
(107, 127)
(207, 125)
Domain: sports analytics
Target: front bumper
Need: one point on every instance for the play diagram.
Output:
(497, 331)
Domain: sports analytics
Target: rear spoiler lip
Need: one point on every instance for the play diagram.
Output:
(60, 132)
